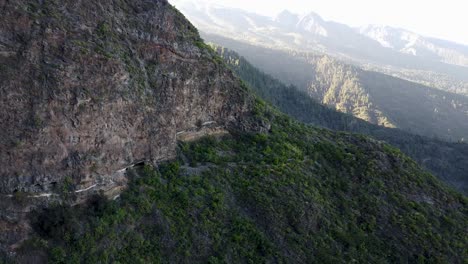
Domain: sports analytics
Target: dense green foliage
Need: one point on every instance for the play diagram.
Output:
(296, 194)
(448, 161)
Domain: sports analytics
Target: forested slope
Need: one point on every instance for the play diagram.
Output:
(374, 97)
(448, 161)
(294, 195)
(233, 179)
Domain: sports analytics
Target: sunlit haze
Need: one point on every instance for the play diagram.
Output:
(441, 19)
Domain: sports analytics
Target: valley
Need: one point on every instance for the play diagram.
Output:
(374, 97)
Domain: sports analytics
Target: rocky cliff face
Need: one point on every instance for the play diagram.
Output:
(89, 88)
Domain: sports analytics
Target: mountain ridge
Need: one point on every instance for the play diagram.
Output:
(372, 96)
(409, 42)
(436, 63)
(447, 161)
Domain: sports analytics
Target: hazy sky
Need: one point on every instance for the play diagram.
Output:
(446, 19)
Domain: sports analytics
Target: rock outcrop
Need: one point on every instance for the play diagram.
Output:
(89, 88)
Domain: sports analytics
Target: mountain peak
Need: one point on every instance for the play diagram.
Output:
(287, 18)
(313, 23)
(313, 15)
(392, 37)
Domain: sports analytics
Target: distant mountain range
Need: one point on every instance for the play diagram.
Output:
(398, 52)
(407, 42)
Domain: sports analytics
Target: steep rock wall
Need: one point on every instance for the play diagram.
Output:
(89, 88)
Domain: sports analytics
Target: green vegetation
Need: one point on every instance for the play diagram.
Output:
(47, 9)
(296, 194)
(448, 161)
(202, 45)
(37, 121)
(104, 30)
(187, 29)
